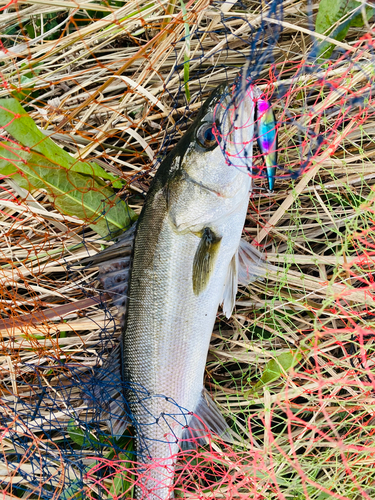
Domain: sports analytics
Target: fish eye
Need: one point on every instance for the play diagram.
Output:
(206, 137)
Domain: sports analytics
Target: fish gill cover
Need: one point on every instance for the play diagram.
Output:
(93, 96)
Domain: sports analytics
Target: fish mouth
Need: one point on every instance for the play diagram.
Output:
(236, 113)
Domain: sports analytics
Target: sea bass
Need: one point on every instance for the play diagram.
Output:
(187, 259)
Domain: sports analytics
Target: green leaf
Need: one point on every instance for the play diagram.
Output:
(277, 367)
(187, 52)
(30, 30)
(18, 123)
(74, 492)
(121, 482)
(82, 437)
(7, 169)
(72, 193)
(76, 188)
(30, 336)
(331, 12)
(25, 89)
(76, 434)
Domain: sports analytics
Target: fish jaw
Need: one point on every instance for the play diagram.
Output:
(236, 131)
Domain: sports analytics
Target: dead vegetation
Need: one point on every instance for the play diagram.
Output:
(106, 82)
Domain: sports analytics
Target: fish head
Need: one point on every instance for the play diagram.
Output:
(223, 134)
(213, 159)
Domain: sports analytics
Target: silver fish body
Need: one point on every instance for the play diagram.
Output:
(169, 327)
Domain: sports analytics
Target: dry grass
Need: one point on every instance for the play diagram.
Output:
(107, 88)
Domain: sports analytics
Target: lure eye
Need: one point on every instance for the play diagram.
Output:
(206, 136)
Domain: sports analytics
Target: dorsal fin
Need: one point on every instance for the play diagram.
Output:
(122, 247)
(114, 265)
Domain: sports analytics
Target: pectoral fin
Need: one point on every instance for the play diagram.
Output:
(252, 265)
(230, 287)
(204, 259)
(247, 265)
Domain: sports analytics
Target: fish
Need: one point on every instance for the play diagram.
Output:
(266, 131)
(168, 275)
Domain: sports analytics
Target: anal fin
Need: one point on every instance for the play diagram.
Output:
(206, 419)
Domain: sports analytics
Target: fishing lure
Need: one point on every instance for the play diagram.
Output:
(266, 131)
